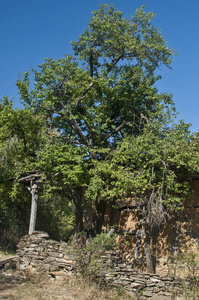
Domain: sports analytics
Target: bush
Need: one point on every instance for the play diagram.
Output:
(91, 259)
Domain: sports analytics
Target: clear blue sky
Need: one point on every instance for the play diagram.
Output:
(34, 30)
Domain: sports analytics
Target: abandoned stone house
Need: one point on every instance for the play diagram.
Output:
(179, 231)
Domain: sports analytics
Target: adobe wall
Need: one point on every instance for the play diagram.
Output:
(126, 221)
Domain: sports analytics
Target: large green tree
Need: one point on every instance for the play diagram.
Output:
(103, 93)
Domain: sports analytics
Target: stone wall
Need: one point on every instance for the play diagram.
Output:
(38, 252)
(122, 273)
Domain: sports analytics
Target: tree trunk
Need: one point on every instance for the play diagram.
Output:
(149, 258)
(112, 214)
(175, 238)
(33, 212)
(139, 233)
(154, 244)
(98, 217)
(78, 211)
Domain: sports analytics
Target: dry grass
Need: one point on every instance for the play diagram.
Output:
(4, 254)
(18, 285)
(23, 286)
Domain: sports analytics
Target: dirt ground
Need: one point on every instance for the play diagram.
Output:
(23, 286)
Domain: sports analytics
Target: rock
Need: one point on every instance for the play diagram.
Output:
(57, 254)
(154, 280)
(167, 279)
(165, 294)
(39, 234)
(136, 285)
(150, 284)
(8, 263)
(125, 279)
(147, 294)
(54, 267)
(23, 267)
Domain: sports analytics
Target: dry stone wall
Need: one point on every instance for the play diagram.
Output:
(149, 285)
(37, 251)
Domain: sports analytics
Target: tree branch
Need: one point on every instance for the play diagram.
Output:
(73, 124)
(91, 56)
(124, 124)
(82, 96)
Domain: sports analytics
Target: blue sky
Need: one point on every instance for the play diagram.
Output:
(34, 30)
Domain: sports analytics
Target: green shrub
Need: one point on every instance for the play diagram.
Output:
(91, 259)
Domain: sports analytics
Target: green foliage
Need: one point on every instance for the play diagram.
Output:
(91, 259)
(22, 135)
(150, 168)
(55, 216)
(64, 160)
(102, 242)
(14, 218)
(110, 37)
(92, 104)
(23, 138)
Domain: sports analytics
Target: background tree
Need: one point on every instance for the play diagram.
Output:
(23, 135)
(103, 93)
(20, 137)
